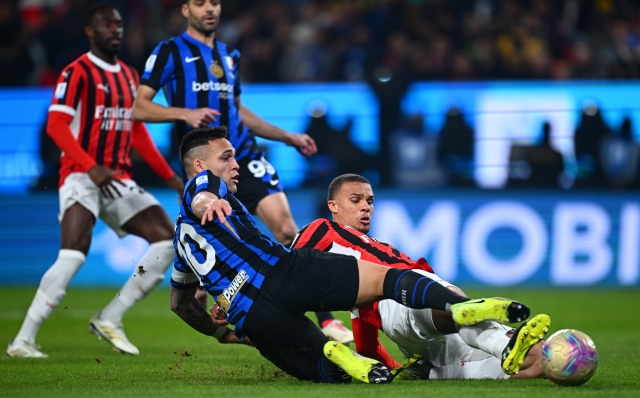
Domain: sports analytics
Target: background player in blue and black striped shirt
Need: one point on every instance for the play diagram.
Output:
(265, 289)
(200, 78)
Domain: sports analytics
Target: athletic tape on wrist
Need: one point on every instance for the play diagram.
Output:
(220, 332)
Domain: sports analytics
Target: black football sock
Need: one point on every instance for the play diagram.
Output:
(329, 372)
(324, 316)
(415, 290)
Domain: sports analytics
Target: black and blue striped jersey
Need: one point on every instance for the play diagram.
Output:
(231, 259)
(194, 75)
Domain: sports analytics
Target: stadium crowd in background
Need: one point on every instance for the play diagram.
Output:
(322, 40)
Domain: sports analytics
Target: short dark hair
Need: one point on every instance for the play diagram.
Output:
(93, 11)
(339, 181)
(200, 137)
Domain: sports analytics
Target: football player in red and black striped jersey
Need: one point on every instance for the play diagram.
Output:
(90, 119)
(473, 353)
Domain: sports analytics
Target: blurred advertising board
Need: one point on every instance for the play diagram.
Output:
(470, 237)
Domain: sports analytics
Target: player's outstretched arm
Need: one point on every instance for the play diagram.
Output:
(144, 109)
(206, 206)
(186, 306)
(302, 142)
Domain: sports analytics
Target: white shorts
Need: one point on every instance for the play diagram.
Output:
(414, 333)
(78, 188)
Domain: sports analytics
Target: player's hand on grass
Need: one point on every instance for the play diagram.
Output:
(177, 184)
(220, 209)
(218, 316)
(229, 337)
(106, 180)
(304, 144)
(200, 117)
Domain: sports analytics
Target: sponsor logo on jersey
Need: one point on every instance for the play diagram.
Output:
(114, 117)
(202, 180)
(211, 85)
(190, 59)
(61, 88)
(148, 66)
(226, 298)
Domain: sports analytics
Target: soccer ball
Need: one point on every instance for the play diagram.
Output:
(569, 357)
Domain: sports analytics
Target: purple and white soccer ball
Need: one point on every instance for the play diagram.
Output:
(569, 357)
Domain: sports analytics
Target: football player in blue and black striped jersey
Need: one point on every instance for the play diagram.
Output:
(265, 289)
(200, 78)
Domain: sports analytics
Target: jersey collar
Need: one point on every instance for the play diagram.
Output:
(193, 40)
(104, 65)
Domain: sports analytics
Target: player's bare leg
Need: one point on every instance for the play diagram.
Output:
(153, 225)
(532, 367)
(275, 212)
(75, 227)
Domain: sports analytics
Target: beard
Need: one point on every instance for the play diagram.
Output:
(202, 27)
(108, 49)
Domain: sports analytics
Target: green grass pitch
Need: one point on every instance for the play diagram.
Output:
(177, 361)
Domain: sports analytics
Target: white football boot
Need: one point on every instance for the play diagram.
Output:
(24, 349)
(337, 332)
(113, 333)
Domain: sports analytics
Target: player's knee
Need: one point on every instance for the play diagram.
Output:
(286, 232)
(79, 243)
(158, 232)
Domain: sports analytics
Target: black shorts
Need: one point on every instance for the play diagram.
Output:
(258, 179)
(305, 280)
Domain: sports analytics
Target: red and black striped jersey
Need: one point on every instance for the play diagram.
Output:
(99, 96)
(329, 236)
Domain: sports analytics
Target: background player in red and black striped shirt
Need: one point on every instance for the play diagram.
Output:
(429, 333)
(90, 119)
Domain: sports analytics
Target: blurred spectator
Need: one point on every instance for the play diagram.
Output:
(588, 139)
(328, 40)
(539, 166)
(456, 148)
(620, 154)
(414, 160)
(336, 152)
(15, 62)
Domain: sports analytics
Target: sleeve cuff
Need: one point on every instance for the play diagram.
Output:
(62, 108)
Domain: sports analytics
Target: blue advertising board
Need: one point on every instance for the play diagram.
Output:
(491, 238)
(500, 113)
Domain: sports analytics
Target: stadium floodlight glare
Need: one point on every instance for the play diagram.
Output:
(383, 74)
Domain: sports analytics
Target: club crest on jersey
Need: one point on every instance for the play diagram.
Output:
(216, 70)
(226, 298)
(229, 61)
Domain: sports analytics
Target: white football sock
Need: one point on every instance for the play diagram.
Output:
(487, 336)
(488, 368)
(50, 293)
(148, 274)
